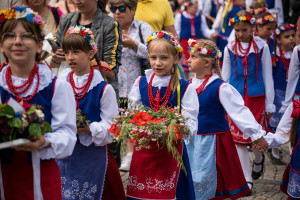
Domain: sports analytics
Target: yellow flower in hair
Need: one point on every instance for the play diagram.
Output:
(244, 18)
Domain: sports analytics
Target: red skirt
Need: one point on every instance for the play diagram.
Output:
(153, 173)
(257, 107)
(18, 178)
(231, 182)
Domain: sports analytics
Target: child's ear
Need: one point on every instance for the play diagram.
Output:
(92, 53)
(207, 63)
(176, 60)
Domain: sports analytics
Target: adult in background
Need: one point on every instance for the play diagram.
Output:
(66, 6)
(50, 15)
(134, 50)
(157, 13)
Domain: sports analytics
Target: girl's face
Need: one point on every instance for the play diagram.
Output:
(197, 64)
(85, 6)
(20, 46)
(161, 60)
(192, 9)
(265, 31)
(79, 61)
(243, 31)
(287, 40)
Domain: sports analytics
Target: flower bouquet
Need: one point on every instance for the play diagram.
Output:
(142, 126)
(21, 120)
(81, 119)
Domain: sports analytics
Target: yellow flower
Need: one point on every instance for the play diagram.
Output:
(244, 18)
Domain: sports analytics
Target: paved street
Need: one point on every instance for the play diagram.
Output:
(265, 188)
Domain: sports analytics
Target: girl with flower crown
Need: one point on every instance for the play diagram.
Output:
(154, 174)
(86, 171)
(189, 23)
(23, 175)
(247, 67)
(214, 161)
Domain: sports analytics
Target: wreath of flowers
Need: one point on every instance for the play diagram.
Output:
(258, 11)
(238, 19)
(266, 19)
(281, 29)
(189, 3)
(168, 36)
(84, 32)
(195, 47)
(18, 12)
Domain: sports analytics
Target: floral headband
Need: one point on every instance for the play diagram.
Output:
(194, 47)
(281, 29)
(266, 19)
(18, 12)
(84, 32)
(258, 11)
(168, 36)
(238, 19)
(189, 3)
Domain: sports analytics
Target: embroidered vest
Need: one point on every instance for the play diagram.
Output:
(237, 79)
(186, 27)
(173, 98)
(295, 156)
(211, 118)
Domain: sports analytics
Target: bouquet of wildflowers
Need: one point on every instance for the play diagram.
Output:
(81, 119)
(22, 121)
(142, 126)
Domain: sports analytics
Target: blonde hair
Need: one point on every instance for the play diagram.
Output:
(208, 44)
(172, 51)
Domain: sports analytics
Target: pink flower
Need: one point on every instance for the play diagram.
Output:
(38, 19)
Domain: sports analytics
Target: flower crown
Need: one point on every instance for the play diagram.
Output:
(18, 12)
(238, 19)
(168, 36)
(281, 29)
(266, 19)
(189, 3)
(194, 47)
(84, 32)
(258, 11)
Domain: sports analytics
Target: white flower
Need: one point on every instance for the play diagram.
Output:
(40, 114)
(252, 21)
(277, 31)
(204, 51)
(76, 29)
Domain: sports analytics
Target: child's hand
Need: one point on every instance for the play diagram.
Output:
(214, 36)
(269, 115)
(32, 146)
(260, 144)
(85, 129)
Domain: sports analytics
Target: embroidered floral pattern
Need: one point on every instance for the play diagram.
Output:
(85, 191)
(152, 185)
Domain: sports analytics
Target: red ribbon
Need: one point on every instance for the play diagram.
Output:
(296, 109)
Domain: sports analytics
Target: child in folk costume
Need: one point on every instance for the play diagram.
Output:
(216, 170)
(85, 172)
(23, 175)
(247, 67)
(220, 25)
(154, 174)
(284, 43)
(189, 23)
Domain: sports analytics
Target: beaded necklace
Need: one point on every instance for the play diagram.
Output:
(286, 61)
(202, 86)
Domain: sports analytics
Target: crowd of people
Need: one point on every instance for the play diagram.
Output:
(232, 67)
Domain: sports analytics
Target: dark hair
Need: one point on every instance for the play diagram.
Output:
(11, 24)
(256, 5)
(102, 5)
(293, 132)
(262, 15)
(77, 42)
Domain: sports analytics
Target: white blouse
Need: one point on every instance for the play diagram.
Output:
(63, 138)
(206, 32)
(189, 101)
(233, 104)
(109, 109)
(294, 72)
(282, 132)
(266, 65)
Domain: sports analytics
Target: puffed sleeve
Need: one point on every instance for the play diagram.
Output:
(109, 109)
(134, 95)
(63, 138)
(235, 107)
(282, 132)
(226, 69)
(190, 108)
(268, 80)
(177, 24)
(294, 72)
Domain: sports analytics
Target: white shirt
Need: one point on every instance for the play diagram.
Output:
(294, 72)
(109, 109)
(63, 137)
(234, 105)
(206, 32)
(189, 101)
(266, 65)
